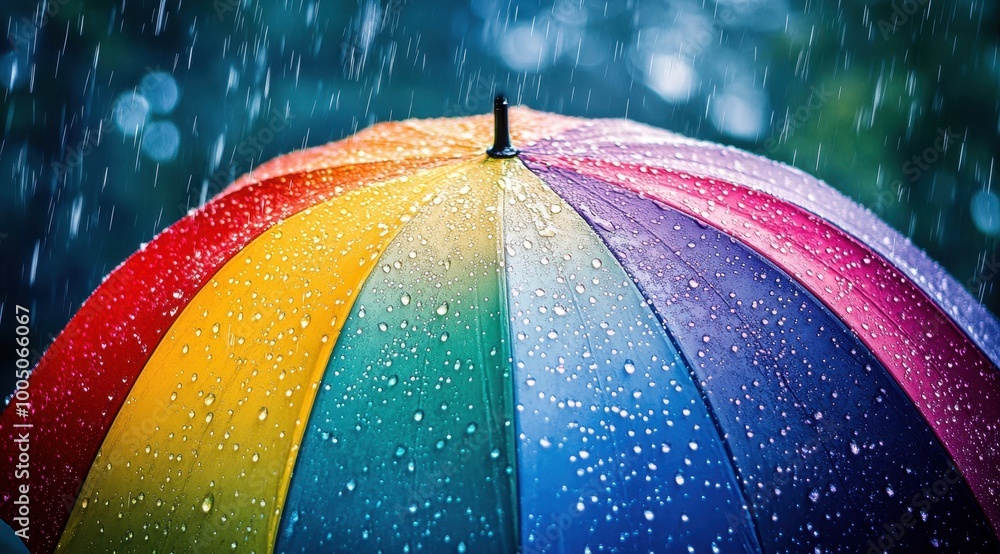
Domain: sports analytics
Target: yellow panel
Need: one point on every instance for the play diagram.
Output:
(201, 454)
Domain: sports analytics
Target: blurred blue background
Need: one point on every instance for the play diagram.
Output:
(120, 116)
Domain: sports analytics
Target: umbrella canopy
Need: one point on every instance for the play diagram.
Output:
(612, 339)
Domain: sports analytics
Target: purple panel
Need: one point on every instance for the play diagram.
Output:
(827, 446)
(626, 141)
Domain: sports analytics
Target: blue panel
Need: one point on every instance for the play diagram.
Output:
(616, 451)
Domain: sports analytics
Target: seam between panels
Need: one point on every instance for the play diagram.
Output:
(579, 318)
(319, 370)
(688, 366)
(514, 459)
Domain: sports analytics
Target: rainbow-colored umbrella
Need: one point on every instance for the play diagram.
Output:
(616, 339)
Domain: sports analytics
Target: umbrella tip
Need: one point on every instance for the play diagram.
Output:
(501, 130)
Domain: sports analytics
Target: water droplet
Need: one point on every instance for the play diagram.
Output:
(442, 309)
(405, 299)
(210, 399)
(400, 451)
(418, 415)
(263, 414)
(679, 479)
(629, 367)
(351, 485)
(304, 322)
(596, 263)
(693, 284)
(471, 428)
(207, 502)
(649, 515)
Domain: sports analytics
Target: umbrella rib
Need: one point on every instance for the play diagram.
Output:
(696, 381)
(504, 300)
(754, 333)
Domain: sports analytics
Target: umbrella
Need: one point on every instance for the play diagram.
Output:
(598, 337)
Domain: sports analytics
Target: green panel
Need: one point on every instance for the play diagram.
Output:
(410, 445)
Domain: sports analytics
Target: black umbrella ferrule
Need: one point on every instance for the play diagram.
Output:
(501, 130)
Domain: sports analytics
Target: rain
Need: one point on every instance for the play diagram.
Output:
(549, 350)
